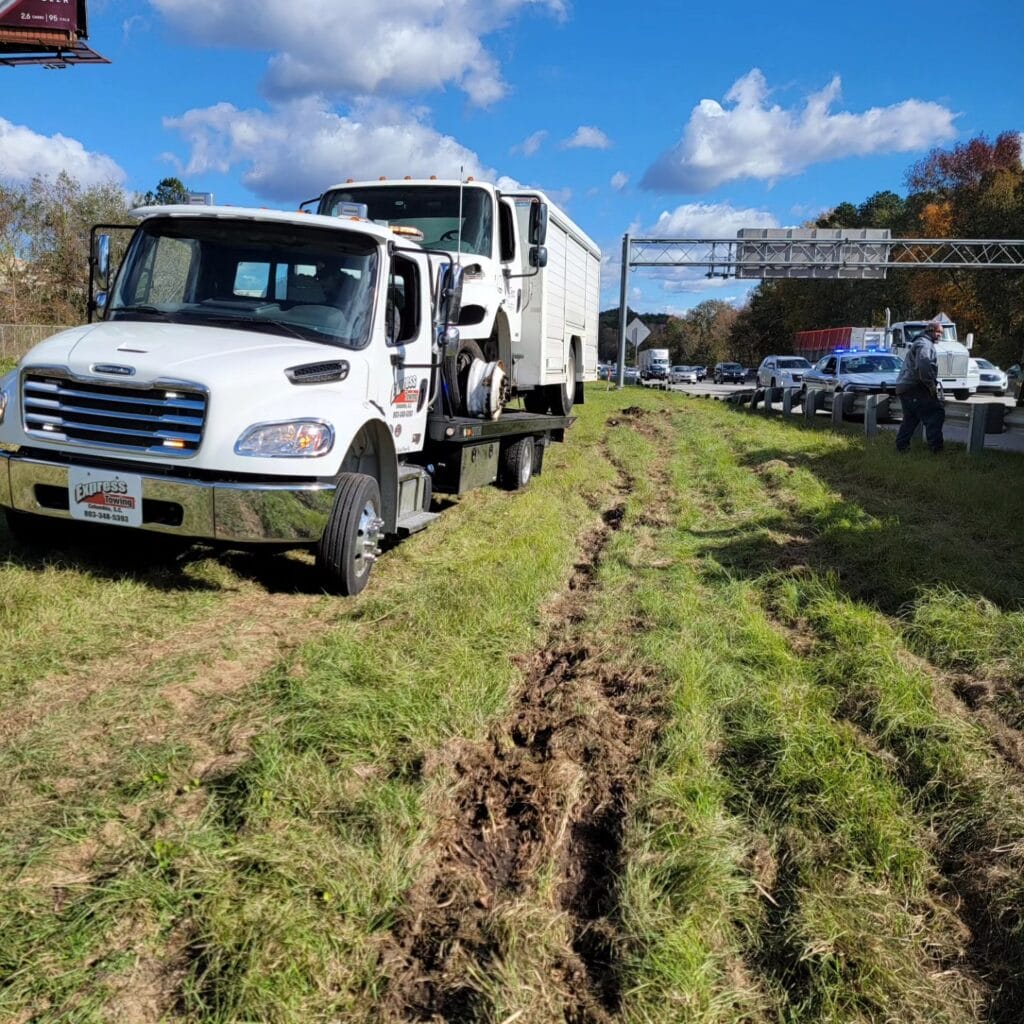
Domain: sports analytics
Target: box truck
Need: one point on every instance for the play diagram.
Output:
(531, 279)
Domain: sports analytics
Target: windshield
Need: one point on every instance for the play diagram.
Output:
(275, 277)
(870, 364)
(984, 364)
(434, 209)
(914, 331)
(794, 364)
(731, 366)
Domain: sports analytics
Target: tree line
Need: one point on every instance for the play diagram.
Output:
(972, 190)
(44, 242)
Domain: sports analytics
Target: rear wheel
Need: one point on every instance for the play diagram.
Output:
(517, 464)
(351, 540)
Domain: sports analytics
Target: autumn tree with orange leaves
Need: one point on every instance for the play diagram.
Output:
(972, 190)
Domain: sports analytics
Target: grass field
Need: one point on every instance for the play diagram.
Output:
(721, 720)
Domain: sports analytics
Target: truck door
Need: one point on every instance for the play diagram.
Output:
(509, 256)
(408, 342)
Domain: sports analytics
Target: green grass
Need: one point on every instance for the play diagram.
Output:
(819, 828)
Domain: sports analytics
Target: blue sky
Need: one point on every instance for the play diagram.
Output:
(663, 118)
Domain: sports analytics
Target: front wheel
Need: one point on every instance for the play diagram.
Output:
(351, 540)
(961, 394)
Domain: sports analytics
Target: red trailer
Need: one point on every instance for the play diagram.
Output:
(812, 345)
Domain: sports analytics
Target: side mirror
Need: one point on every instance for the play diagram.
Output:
(970, 340)
(538, 224)
(449, 294)
(101, 263)
(538, 256)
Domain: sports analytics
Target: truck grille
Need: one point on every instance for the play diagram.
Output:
(162, 418)
(952, 364)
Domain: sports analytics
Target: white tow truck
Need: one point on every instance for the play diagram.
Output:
(532, 278)
(261, 377)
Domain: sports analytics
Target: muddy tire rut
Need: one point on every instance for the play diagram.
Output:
(537, 815)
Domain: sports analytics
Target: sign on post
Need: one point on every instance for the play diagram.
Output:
(636, 331)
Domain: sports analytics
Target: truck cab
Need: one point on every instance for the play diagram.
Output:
(531, 277)
(955, 375)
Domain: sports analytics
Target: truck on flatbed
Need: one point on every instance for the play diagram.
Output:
(261, 378)
(532, 277)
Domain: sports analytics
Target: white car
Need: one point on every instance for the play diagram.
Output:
(990, 379)
(682, 375)
(781, 371)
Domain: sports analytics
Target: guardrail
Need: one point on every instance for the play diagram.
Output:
(980, 418)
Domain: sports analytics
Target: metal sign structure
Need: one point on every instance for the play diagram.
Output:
(47, 32)
(816, 253)
(637, 331)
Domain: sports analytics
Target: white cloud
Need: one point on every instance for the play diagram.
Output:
(586, 137)
(709, 220)
(24, 154)
(531, 143)
(386, 47)
(619, 180)
(751, 139)
(374, 139)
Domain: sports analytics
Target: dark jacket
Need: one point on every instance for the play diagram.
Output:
(920, 367)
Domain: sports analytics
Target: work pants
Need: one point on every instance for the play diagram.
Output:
(920, 406)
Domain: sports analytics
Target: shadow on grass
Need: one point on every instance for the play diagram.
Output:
(156, 560)
(891, 528)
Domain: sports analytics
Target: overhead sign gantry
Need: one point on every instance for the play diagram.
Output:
(822, 253)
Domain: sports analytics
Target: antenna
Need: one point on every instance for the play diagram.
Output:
(458, 237)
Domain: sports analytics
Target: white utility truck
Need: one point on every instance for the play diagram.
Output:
(260, 377)
(531, 282)
(954, 356)
(653, 363)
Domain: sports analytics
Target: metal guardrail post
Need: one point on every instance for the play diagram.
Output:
(871, 416)
(811, 404)
(976, 429)
(838, 408)
(787, 402)
(756, 397)
(769, 398)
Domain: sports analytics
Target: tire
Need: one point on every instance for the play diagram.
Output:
(774, 385)
(351, 540)
(961, 394)
(456, 373)
(517, 464)
(562, 396)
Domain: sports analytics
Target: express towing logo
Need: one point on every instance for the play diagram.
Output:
(104, 494)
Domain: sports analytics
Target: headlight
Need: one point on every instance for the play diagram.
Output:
(292, 440)
(7, 384)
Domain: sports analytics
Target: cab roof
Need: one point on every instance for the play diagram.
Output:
(245, 213)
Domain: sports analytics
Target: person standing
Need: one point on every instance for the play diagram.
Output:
(917, 388)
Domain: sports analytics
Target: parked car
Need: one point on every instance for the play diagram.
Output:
(991, 379)
(855, 371)
(781, 371)
(683, 375)
(729, 373)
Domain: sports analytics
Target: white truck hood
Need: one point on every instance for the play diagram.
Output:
(243, 372)
(198, 353)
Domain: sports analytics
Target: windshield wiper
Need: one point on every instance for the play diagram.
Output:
(256, 321)
(140, 308)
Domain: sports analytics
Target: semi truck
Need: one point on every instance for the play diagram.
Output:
(954, 356)
(256, 377)
(653, 363)
(531, 283)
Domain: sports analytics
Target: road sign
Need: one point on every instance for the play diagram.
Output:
(636, 331)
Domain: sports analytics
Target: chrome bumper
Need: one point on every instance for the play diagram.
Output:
(249, 513)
